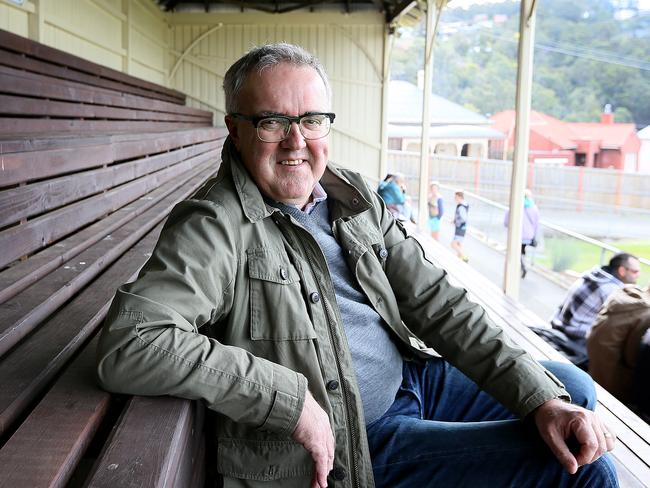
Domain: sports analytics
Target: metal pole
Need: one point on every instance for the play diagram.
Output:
(434, 8)
(385, 82)
(520, 159)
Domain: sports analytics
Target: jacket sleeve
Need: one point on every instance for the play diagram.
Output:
(461, 331)
(151, 342)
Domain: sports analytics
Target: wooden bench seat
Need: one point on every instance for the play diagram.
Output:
(92, 162)
(632, 452)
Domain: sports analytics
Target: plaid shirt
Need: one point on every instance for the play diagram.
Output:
(583, 302)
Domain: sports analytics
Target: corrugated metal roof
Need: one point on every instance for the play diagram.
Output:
(405, 107)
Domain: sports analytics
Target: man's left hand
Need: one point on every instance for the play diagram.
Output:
(557, 421)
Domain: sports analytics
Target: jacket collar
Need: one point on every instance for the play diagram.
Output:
(345, 199)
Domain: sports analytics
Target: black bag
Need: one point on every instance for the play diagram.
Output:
(575, 350)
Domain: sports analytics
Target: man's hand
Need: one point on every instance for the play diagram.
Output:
(558, 420)
(315, 434)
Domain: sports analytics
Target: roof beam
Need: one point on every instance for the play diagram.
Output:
(402, 7)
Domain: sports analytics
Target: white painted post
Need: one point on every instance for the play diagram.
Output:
(512, 270)
(434, 9)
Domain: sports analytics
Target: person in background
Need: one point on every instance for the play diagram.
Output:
(436, 209)
(614, 343)
(460, 224)
(393, 191)
(576, 315)
(529, 227)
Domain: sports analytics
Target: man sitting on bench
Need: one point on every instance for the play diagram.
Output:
(289, 300)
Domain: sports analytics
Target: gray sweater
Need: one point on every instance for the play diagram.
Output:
(377, 361)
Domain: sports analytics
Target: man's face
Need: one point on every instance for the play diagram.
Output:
(630, 272)
(285, 171)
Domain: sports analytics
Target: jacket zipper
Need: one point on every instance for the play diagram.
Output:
(346, 400)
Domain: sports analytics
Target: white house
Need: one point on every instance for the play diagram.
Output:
(644, 152)
(454, 130)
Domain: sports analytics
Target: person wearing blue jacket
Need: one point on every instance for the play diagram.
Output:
(393, 191)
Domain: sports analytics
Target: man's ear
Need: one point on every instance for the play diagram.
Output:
(233, 130)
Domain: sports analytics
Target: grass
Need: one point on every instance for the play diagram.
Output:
(568, 254)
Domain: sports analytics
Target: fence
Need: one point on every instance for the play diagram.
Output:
(562, 252)
(556, 187)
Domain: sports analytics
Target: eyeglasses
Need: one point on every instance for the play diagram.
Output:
(275, 128)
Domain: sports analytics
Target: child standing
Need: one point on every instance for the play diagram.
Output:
(460, 224)
(436, 209)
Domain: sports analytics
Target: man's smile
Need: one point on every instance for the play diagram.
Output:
(292, 162)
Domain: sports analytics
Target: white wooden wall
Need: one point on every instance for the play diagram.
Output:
(126, 35)
(350, 47)
(192, 51)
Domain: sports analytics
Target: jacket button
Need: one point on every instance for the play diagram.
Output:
(332, 385)
(355, 202)
(283, 273)
(314, 297)
(383, 253)
(338, 473)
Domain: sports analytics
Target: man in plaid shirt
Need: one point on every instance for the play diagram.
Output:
(588, 294)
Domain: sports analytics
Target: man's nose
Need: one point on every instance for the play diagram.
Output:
(294, 139)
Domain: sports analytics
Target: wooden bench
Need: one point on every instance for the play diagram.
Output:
(91, 162)
(632, 452)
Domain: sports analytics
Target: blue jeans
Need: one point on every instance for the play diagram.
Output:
(443, 431)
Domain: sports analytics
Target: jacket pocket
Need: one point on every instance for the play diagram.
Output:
(263, 460)
(277, 309)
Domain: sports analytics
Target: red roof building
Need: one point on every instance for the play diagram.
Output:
(596, 145)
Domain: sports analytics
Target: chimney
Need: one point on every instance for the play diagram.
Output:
(607, 117)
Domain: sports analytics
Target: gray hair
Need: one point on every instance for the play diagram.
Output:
(263, 57)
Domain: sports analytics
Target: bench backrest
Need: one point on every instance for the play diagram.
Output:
(91, 162)
(43, 89)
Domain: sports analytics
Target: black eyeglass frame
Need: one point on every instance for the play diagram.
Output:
(256, 119)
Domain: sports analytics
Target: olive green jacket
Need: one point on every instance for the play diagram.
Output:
(236, 308)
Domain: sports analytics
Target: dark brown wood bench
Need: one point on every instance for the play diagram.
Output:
(632, 452)
(91, 162)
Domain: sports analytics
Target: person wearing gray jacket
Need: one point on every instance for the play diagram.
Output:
(286, 297)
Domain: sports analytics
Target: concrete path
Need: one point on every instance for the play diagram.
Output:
(538, 293)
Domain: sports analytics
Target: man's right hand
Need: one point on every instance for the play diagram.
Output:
(315, 434)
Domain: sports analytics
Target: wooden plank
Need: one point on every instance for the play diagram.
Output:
(48, 141)
(14, 60)
(36, 50)
(28, 126)
(191, 470)
(24, 106)
(23, 239)
(17, 278)
(46, 448)
(28, 368)
(146, 447)
(36, 198)
(23, 83)
(31, 366)
(24, 313)
(27, 166)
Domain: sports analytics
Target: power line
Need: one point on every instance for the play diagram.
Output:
(592, 54)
